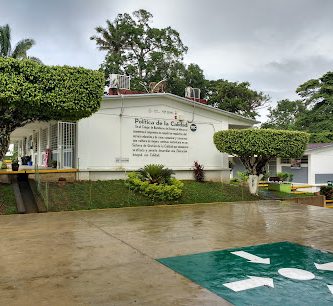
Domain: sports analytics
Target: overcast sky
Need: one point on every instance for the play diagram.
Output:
(274, 44)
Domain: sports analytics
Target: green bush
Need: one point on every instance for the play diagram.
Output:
(266, 176)
(327, 191)
(155, 174)
(157, 192)
(198, 172)
(234, 180)
(243, 176)
(285, 176)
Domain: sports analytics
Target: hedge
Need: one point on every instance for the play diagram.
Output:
(262, 142)
(157, 192)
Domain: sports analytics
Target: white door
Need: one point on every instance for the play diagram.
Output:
(66, 145)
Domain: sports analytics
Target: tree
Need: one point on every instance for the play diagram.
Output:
(180, 76)
(321, 137)
(21, 48)
(256, 147)
(236, 97)
(284, 115)
(195, 78)
(135, 48)
(33, 92)
(317, 95)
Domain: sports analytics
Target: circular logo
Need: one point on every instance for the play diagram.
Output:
(193, 127)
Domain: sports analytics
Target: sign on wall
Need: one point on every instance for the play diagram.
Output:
(193, 127)
(159, 137)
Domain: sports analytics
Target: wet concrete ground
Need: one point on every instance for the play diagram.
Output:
(107, 257)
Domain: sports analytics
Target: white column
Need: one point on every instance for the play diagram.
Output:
(311, 172)
(39, 155)
(278, 165)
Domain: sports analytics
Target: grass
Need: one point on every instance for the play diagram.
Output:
(7, 200)
(112, 194)
(278, 195)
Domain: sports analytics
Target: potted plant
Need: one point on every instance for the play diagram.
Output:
(54, 164)
(282, 182)
(15, 165)
(15, 162)
(3, 165)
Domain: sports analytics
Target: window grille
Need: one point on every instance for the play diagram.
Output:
(43, 140)
(54, 137)
(20, 148)
(66, 144)
(24, 146)
(304, 160)
(119, 81)
(192, 93)
(35, 142)
(30, 143)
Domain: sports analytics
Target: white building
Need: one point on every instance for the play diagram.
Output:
(130, 131)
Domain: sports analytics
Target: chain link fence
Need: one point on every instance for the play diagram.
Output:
(60, 191)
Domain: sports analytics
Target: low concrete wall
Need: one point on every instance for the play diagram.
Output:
(210, 175)
(313, 200)
(39, 200)
(18, 197)
(4, 179)
(54, 177)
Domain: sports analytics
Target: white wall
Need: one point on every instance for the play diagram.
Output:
(321, 163)
(115, 137)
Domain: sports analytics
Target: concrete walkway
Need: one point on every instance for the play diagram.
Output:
(106, 257)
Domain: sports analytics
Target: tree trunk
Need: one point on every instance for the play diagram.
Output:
(255, 165)
(253, 184)
(4, 141)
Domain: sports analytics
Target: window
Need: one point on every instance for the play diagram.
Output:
(43, 140)
(285, 161)
(304, 160)
(30, 142)
(35, 142)
(54, 137)
(24, 146)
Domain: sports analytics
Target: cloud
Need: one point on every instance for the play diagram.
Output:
(275, 45)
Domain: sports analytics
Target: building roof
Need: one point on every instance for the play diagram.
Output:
(316, 146)
(185, 101)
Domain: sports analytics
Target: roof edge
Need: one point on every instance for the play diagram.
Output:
(183, 100)
(319, 148)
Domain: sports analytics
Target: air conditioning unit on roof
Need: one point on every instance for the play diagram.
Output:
(192, 93)
(119, 81)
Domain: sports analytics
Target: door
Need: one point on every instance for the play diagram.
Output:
(66, 145)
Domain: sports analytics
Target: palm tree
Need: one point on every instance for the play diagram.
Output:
(112, 38)
(21, 48)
